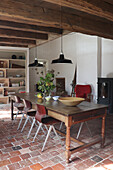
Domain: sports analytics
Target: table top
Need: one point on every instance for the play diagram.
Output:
(57, 106)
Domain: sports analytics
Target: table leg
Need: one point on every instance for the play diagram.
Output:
(68, 144)
(12, 110)
(103, 131)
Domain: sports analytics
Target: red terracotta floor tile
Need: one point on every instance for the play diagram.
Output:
(25, 145)
(49, 168)
(56, 159)
(14, 166)
(103, 155)
(36, 166)
(4, 156)
(89, 162)
(1, 146)
(34, 153)
(7, 150)
(4, 162)
(25, 150)
(58, 167)
(54, 153)
(11, 140)
(36, 159)
(8, 145)
(81, 166)
(15, 159)
(107, 162)
(26, 168)
(47, 163)
(25, 156)
(25, 163)
(15, 153)
(3, 142)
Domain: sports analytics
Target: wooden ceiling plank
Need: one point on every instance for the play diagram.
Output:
(109, 1)
(22, 34)
(28, 27)
(95, 7)
(13, 45)
(17, 41)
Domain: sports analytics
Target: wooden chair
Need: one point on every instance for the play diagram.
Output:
(18, 105)
(30, 113)
(45, 120)
(83, 91)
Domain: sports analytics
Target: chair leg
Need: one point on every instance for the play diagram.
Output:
(88, 129)
(60, 125)
(56, 133)
(25, 123)
(49, 131)
(78, 134)
(16, 115)
(20, 121)
(43, 130)
(31, 128)
(40, 125)
(46, 128)
(30, 121)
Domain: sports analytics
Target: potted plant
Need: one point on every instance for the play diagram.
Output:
(46, 85)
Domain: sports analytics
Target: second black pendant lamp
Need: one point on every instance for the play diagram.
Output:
(61, 58)
(35, 63)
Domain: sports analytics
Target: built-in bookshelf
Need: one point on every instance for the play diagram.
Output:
(12, 77)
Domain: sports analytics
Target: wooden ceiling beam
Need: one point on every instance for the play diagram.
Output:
(13, 45)
(28, 12)
(109, 1)
(22, 34)
(17, 41)
(28, 27)
(99, 8)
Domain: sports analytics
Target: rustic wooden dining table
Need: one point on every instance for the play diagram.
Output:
(70, 116)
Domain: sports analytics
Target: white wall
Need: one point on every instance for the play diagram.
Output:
(86, 53)
(107, 58)
(93, 56)
(51, 50)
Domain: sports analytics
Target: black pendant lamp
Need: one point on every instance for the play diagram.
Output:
(61, 58)
(35, 64)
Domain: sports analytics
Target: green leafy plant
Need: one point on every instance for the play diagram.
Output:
(46, 85)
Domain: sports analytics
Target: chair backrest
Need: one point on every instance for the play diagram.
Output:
(41, 112)
(17, 99)
(27, 105)
(82, 90)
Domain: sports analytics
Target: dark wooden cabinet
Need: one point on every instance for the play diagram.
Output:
(105, 92)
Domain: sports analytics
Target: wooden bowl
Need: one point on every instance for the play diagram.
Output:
(71, 101)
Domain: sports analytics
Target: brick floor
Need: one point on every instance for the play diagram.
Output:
(18, 152)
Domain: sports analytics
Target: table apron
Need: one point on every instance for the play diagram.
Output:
(56, 115)
(85, 116)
